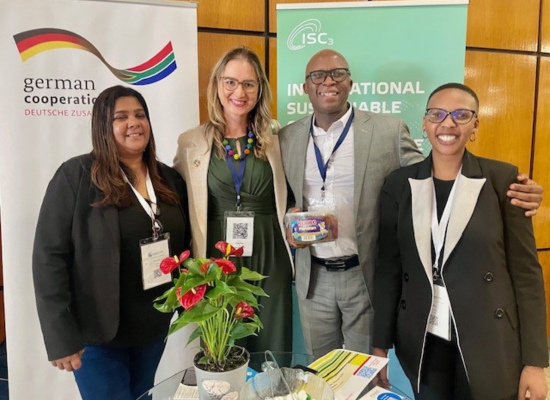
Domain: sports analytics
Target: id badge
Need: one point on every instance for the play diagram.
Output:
(439, 321)
(239, 230)
(152, 253)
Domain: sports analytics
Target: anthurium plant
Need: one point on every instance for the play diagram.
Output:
(219, 297)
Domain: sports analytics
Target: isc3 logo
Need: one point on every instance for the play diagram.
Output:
(308, 32)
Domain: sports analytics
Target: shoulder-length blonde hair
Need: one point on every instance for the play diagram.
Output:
(106, 171)
(259, 117)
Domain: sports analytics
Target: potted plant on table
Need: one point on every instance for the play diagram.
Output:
(216, 295)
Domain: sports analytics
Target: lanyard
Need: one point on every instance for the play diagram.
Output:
(237, 177)
(151, 207)
(323, 167)
(439, 229)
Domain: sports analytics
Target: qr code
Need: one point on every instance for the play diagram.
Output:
(240, 230)
(157, 273)
(367, 372)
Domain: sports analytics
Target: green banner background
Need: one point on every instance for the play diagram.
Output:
(397, 54)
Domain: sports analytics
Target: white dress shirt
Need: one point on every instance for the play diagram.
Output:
(338, 185)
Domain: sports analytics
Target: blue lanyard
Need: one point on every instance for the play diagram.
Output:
(323, 167)
(237, 177)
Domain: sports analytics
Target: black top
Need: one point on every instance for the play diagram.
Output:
(140, 322)
(442, 192)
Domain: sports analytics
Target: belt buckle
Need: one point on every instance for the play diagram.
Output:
(335, 265)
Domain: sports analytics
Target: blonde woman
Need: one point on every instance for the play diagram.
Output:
(237, 189)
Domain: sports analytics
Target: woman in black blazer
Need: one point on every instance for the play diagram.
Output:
(103, 224)
(458, 288)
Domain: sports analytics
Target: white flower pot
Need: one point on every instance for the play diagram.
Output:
(218, 385)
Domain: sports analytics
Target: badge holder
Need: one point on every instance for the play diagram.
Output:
(439, 321)
(239, 230)
(153, 251)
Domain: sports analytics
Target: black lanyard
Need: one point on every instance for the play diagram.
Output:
(237, 177)
(323, 167)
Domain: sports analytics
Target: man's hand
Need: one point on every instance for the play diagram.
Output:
(526, 194)
(533, 380)
(70, 363)
(381, 379)
(289, 237)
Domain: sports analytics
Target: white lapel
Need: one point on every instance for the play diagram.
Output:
(421, 194)
(462, 209)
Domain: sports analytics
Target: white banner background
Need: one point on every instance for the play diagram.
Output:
(33, 147)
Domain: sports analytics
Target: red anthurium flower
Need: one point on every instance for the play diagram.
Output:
(168, 264)
(228, 250)
(184, 256)
(204, 267)
(227, 266)
(243, 310)
(191, 297)
(237, 252)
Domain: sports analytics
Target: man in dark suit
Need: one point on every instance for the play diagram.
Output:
(334, 280)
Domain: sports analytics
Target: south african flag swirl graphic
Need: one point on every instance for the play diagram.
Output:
(33, 42)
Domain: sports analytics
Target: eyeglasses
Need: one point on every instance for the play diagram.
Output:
(337, 75)
(460, 116)
(231, 84)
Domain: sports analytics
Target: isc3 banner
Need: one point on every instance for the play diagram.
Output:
(398, 52)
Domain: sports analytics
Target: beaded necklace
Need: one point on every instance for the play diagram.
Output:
(234, 153)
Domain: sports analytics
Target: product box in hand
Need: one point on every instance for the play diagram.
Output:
(312, 226)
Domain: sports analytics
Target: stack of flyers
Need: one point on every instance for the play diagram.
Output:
(378, 393)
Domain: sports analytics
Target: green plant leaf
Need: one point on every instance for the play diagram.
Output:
(258, 291)
(243, 330)
(170, 304)
(249, 275)
(246, 296)
(220, 288)
(200, 312)
(196, 333)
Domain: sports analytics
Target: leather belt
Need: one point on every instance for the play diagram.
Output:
(337, 263)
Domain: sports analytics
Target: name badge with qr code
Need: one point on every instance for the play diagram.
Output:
(152, 252)
(239, 230)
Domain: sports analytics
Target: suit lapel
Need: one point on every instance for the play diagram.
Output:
(362, 136)
(279, 183)
(198, 157)
(422, 199)
(464, 203)
(299, 155)
(111, 216)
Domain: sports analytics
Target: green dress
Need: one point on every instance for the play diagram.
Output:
(269, 255)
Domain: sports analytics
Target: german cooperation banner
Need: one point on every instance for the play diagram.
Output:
(398, 52)
(57, 56)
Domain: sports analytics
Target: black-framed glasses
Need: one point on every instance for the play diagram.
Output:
(337, 75)
(231, 84)
(460, 116)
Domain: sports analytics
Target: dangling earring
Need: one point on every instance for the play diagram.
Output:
(473, 137)
(424, 135)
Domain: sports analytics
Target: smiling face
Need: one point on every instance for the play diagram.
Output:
(447, 137)
(131, 127)
(329, 99)
(238, 103)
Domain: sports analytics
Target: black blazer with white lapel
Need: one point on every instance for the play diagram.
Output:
(490, 269)
(76, 259)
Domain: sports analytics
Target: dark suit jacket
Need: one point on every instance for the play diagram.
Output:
(76, 259)
(490, 269)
